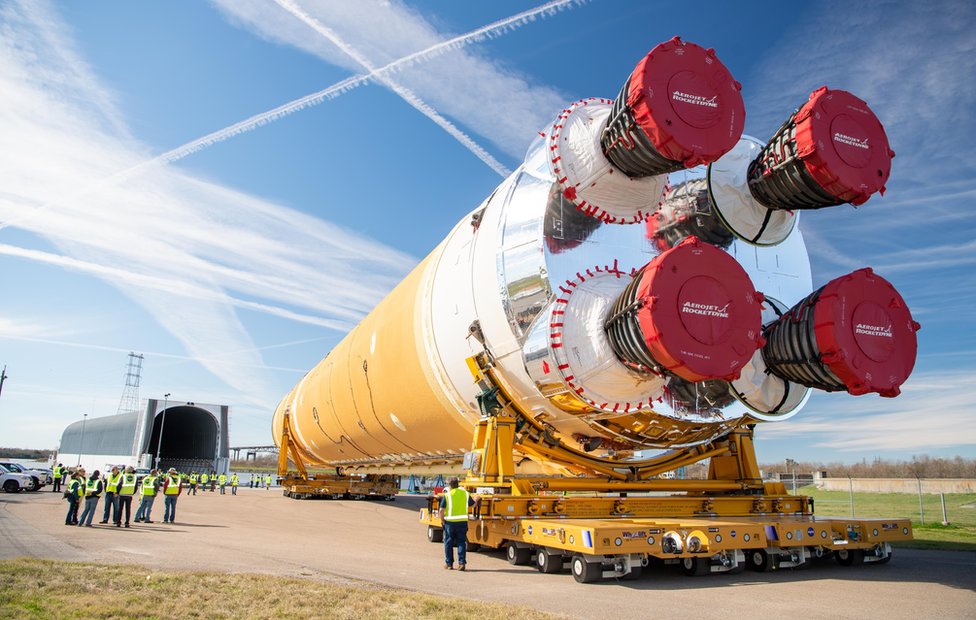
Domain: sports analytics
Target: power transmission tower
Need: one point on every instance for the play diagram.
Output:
(133, 375)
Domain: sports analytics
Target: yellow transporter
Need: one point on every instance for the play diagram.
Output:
(607, 300)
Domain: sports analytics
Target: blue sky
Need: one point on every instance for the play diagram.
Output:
(153, 200)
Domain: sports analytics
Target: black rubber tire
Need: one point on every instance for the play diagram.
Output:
(849, 557)
(548, 562)
(887, 559)
(760, 561)
(435, 534)
(735, 570)
(519, 556)
(35, 484)
(585, 572)
(11, 486)
(696, 567)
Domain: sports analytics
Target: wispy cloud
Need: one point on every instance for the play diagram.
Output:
(187, 250)
(459, 84)
(405, 93)
(933, 411)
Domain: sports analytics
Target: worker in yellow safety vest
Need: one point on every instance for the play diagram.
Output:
(193, 484)
(222, 481)
(93, 490)
(74, 495)
(204, 479)
(112, 480)
(172, 486)
(127, 488)
(267, 481)
(148, 490)
(233, 484)
(57, 474)
(454, 514)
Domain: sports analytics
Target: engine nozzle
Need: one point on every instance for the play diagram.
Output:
(854, 334)
(691, 312)
(831, 151)
(679, 108)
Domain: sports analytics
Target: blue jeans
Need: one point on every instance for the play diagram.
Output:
(111, 503)
(145, 507)
(170, 503)
(455, 535)
(72, 517)
(90, 504)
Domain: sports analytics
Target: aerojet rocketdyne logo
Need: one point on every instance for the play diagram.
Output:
(843, 138)
(694, 99)
(706, 309)
(873, 330)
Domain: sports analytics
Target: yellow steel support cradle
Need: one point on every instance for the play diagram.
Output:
(715, 525)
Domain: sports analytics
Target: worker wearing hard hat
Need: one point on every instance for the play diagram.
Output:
(233, 484)
(454, 515)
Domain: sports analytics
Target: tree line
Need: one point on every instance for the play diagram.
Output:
(917, 467)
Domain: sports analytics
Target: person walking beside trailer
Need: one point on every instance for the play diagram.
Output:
(56, 476)
(74, 495)
(148, 490)
(127, 488)
(111, 482)
(171, 490)
(93, 490)
(222, 481)
(454, 514)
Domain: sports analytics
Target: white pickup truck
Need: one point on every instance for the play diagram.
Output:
(13, 481)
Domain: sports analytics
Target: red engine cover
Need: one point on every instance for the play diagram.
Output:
(865, 333)
(687, 102)
(702, 317)
(843, 145)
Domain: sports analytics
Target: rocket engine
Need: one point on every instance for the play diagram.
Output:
(639, 281)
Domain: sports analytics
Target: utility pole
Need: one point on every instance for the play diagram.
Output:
(3, 377)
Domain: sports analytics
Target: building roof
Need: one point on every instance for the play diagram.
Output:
(113, 434)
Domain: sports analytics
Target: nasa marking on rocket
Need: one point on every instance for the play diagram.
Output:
(639, 281)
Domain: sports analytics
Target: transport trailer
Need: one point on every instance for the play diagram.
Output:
(302, 485)
(722, 524)
(323, 486)
(621, 546)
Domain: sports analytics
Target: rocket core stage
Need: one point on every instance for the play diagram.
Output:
(633, 281)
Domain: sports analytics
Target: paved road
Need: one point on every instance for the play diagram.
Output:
(260, 531)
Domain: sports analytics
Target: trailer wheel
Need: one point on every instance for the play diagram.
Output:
(885, 559)
(548, 562)
(519, 556)
(11, 486)
(696, 567)
(760, 561)
(849, 557)
(435, 534)
(586, 572)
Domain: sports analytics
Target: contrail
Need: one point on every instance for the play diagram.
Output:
(169, 285)
(331, 92)
(483, 33)
(405, 93)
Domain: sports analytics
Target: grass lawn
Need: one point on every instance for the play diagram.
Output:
(960, 507)
(47, 589)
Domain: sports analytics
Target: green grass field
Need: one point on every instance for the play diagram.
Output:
(960, 507)
(46, 589)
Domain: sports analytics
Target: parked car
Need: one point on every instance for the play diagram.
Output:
(40, 476)
(14, 482)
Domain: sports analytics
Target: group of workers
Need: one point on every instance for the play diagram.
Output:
(119, 486)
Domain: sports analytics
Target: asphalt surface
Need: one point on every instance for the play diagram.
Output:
(260, 531)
